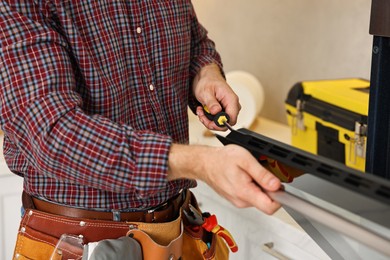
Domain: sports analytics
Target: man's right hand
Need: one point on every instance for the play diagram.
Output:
(230, 170)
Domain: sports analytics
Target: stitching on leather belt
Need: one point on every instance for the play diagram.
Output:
(164, 213)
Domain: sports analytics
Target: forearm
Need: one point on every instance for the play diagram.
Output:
(188, 161)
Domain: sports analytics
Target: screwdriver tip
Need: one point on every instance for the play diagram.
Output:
(229, 126)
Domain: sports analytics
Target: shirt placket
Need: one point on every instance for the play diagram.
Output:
(149, 85)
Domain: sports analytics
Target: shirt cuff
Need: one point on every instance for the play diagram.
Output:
(151, 151)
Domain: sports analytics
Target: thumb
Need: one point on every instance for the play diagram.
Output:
(212, 105)
(266, 179)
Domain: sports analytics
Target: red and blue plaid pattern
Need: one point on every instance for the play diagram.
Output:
(93, 93)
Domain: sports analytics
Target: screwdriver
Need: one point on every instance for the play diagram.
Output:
(221, 119)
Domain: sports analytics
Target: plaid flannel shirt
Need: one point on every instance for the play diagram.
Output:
(93, 93)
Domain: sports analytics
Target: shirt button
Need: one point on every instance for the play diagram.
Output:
(151, 87)
(139, 30)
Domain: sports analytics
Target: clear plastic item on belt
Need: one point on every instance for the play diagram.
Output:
(73, 247)
(68, 247)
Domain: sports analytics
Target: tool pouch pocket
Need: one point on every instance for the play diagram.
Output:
(159, 241)
(153, 250)
(33, 244)
(201, 244)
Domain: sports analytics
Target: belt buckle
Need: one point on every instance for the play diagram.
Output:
(116, 215)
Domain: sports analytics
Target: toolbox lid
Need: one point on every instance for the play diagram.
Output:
(350, 94)
(340, 101)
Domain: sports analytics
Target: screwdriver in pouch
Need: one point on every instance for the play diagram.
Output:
(221, 119)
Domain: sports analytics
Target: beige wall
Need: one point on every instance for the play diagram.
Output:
(282, 42)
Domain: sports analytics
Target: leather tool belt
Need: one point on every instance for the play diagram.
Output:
(165, 212)
(40, 232)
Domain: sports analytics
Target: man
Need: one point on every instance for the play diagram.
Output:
(94, 107)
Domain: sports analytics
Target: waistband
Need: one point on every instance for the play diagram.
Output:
(165, 212)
